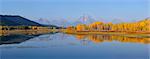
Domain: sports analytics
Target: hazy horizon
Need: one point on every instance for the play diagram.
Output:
(69, 12)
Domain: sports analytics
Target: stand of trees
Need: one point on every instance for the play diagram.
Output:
(24, 27)
(143, 25)
(135, 26)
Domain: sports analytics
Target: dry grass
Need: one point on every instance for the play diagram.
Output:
(124, 33)
(29, 32)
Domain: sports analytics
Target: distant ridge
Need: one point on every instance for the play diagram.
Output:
(15, 20)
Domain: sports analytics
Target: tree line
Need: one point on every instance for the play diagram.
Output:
(143, 25)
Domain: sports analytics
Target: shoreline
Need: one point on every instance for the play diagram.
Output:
(27, 32)
(131, 34)
(107, 32)
(44, 31)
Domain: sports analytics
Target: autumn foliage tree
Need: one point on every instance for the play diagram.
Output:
(143, 25)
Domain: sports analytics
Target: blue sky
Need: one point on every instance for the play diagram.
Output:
(56, 11)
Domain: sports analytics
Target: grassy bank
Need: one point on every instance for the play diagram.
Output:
(129, 34)
(28, 32)
(42, 31)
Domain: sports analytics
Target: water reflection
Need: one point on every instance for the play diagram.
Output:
(110, 38)
(59, 45)
(18, 38)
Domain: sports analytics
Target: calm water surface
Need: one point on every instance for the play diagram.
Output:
(65, 46)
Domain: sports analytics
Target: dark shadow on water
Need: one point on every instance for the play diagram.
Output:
(18, 38)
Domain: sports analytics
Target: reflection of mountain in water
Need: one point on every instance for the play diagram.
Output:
(110, 38)
(17, 38)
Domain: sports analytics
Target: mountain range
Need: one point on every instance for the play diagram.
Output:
(15, 20)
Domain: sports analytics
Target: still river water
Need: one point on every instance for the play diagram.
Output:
(65, 46)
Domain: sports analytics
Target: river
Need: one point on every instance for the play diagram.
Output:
(67, 46)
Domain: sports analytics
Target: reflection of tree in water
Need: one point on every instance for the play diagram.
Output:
(17, 38)
(110, 38)
(14, 39)
(131, 39)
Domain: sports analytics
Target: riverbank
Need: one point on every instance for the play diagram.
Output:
(44, 31)
(28, 32)
(129, 34)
